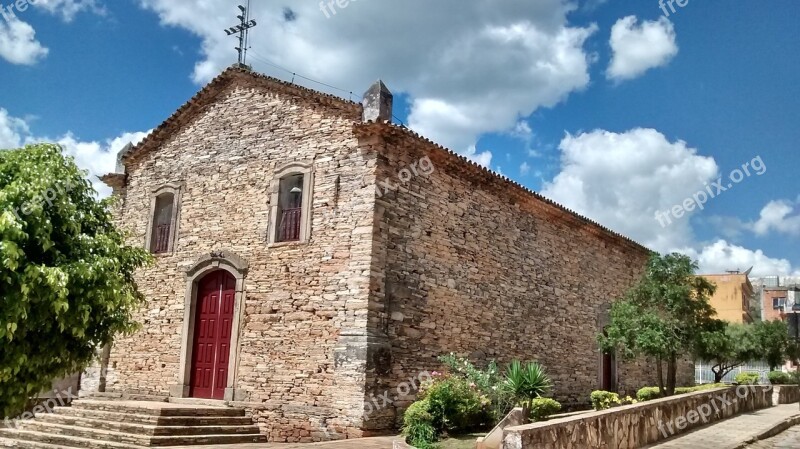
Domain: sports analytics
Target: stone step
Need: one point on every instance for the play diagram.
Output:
(27, 444)
(156, 408)
(104, 439)
(150, 429)
(140, 429)
(25, 438)
(152, 420)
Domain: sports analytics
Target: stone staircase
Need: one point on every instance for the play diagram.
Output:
(130, 425)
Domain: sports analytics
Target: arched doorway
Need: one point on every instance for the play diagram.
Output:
(213, 325)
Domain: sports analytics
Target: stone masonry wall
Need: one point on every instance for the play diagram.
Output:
(476, 266)
(299, 298)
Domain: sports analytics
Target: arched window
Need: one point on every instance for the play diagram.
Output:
(291, 204)
(161, 230)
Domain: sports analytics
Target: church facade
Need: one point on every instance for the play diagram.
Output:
(311, 256)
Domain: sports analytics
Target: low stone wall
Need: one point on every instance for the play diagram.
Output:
(785, 394)
(637, 425)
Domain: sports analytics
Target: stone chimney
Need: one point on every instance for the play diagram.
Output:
(377, 103)
(120, 155)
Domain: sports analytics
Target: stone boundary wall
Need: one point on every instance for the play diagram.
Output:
(637, 425)
(785, 394)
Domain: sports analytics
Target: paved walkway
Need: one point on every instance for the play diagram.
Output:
(736, 432)
(361, 443)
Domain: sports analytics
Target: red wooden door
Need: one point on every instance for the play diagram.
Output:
(216, 297)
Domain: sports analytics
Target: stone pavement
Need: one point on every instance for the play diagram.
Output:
(737, 432)
(360, 443)
(789, 439)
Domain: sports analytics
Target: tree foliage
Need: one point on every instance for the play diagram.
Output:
(727, 346)
(772, 339)
(66, 273)
(661, 316)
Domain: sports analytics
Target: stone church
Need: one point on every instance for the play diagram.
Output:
(312, 256)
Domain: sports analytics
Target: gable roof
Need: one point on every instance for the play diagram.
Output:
(206, 96)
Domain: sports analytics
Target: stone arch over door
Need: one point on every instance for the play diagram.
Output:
(208, 264)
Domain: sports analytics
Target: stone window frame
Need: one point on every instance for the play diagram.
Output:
(293, 168)
(207, 264)
(175, 189)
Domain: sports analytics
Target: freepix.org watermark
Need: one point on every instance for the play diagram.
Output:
(705, 411)
(423, 167)
(49, 196)
(712, 190)
(377, 403)
(8, 13)
(664, 4)
(328, 7)
(61, 399)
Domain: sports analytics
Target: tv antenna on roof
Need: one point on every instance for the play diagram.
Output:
(243, 29)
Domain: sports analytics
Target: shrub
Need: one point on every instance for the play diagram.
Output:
(648, 393)
(602, 400)
(541, 408)
(456, 405)
(418, 425)
(779, 378)
(488, 381)
(747, 378)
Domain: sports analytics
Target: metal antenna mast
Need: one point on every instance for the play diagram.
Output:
(243, 30)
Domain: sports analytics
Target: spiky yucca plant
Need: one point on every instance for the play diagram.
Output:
(526, 383)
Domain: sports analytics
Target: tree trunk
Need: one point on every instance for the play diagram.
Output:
(671, 374)
(719, 373)
(659, 373)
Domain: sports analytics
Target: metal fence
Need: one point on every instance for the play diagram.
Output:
(704, 375)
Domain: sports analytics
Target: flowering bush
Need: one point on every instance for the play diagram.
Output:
(448, 404)
(488, 381)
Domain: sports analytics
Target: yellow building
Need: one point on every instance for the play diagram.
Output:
(732, 298)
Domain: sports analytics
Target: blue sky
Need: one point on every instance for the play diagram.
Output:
(607, 106)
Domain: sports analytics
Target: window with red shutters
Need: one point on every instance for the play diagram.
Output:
(162, 224)
(290, 209)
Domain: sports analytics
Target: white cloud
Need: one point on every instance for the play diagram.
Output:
(638, 48)
(467, 73)
(722, 256)
(781, 216)
(18, 44)
(622, 179)
(524, 169)
(67, 9)
(484, 158)
(98, 158)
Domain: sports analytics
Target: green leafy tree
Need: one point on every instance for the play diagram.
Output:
(66, 273)
(727, 346)
(662, 316)
(773, 343)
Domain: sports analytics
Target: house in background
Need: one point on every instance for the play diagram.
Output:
(733, 297)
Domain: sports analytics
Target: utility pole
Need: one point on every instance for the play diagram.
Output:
(243, 31)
